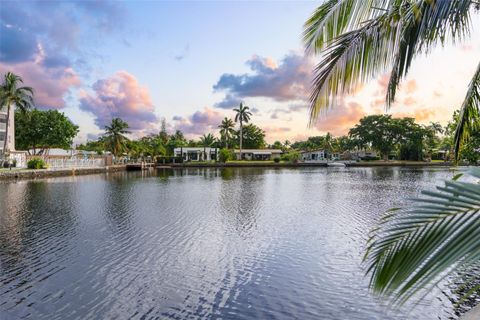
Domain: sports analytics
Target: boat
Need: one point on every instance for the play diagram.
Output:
(335, 164)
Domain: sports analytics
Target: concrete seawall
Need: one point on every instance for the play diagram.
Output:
(46, 173)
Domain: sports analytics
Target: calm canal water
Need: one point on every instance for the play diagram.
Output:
(201, 243)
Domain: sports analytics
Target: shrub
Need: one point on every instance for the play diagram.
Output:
(225, 155)
(36, 163)
(276, 160)
(291, 156)
(370, 158)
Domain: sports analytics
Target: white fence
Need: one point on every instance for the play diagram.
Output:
(75, 163)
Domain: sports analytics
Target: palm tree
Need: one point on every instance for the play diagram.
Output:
(359, 39)
(206, 140)
(11, 95)
(226, 130)
(243, 115)
(115, 135)
(416, 248)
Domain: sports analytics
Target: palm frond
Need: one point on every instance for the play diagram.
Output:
(334, 17)
(373, 36)
(469, 118)
(418, 247)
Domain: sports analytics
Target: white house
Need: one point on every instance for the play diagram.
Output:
(196, 153)
(314, 155)
(258, 154)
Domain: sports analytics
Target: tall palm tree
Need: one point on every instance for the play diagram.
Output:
(242, 115)
(115, 135)
(206, 140)
(226, 130)
(359, 39)
(11, 95)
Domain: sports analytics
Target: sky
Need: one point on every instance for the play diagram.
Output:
(192, 62)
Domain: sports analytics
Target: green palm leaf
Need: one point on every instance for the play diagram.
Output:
(469, 118)
(418, 247)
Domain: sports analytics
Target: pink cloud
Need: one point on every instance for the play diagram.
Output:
(120, 96)
(421, 115)
(339, 120)
(410, 86)
(200, 122)
(51, 85)
(409, 101)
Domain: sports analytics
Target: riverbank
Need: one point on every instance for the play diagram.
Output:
(51, 173)
(272, 164)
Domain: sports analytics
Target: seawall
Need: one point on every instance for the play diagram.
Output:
(48, 173)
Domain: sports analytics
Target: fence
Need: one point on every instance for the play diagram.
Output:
(74, 163)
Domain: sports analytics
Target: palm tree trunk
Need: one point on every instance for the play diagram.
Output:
(241, 137)
(6, 131)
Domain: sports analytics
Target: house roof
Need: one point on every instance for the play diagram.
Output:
(259, 151)
(316, 150)
(193, 148)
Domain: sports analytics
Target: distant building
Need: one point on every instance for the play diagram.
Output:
(197, 153)
(258, 154)
(10, 136)
(359, 155)
(314, 155)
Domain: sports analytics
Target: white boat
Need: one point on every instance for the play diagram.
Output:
(335, 164)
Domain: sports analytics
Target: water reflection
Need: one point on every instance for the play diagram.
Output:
(231, 243)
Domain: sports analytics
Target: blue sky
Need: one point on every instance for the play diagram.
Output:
(191, 62)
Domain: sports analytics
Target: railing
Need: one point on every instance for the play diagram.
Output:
(74, 163)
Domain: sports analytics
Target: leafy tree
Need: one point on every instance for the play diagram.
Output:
(359, 40)
(176, 140)
(243, 116)
(146, 146)
(13, 95)
(39, 130)
(378, 131)
(115, 139)
(253, 137)
(227, 130)
(277, 145)
(163, 135)
(97, 146)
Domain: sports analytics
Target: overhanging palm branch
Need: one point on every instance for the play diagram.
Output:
(358, 40)
(469, 118)
(417, 248)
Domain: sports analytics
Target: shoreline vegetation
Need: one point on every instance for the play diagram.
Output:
(28, 174)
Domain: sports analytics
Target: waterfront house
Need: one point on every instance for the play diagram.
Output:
(359, 155)
(318, 155)
(196, 153)
(258, 154)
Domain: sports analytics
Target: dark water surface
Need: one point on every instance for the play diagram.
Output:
(201, 243)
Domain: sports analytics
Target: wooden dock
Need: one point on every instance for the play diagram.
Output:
(140, 166)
